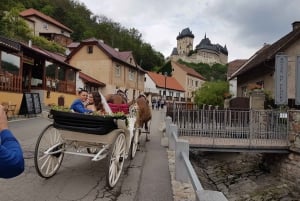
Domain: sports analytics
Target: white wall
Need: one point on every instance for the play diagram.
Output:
(150, 86)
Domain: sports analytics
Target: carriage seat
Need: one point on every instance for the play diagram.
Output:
(119, 108)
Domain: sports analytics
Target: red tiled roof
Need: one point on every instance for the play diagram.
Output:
(91, 80)
(159, 80)
(33, 12)
(188, 70)
(234, 65)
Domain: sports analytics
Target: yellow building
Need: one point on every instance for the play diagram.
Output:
(117, 69)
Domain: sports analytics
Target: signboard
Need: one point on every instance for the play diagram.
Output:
(31, 104)
(281, 64)
(297, 87)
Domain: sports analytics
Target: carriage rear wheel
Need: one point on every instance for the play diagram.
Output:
(49, 152)
(135, 142)
(115, 157)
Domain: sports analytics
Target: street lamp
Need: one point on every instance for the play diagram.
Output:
(165, 92)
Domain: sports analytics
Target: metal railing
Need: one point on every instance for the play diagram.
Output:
(184, 171)
(251, 128)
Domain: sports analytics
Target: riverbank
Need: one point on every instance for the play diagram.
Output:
(240, 177)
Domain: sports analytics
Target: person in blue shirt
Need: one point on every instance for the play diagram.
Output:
(78, 104)
(11, 154)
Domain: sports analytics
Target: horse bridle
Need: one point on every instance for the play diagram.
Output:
(123, 94)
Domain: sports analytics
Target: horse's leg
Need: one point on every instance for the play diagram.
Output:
(147, 130)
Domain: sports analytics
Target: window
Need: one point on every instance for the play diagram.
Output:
(45, 26)
(50, 69)
(244, 91)
(260, 83)
(71, 75)
(10, 63)
(61, 73)
(90, 49)
(131, 74)
(118, 70)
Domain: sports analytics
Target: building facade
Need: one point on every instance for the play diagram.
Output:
(46, 26)
(188, 78)
(117, 69)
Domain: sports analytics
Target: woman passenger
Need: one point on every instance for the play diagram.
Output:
(95, 103)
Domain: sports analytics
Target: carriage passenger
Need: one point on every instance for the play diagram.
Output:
(95, 103)
(78, 105)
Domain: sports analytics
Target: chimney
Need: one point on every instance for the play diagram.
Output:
(30, 43)
(117, 49)
(296, 25)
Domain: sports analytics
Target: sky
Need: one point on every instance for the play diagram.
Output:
(243, 26)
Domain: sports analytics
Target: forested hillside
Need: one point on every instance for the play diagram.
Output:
(86, 24)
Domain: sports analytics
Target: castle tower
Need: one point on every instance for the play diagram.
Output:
(185, 41)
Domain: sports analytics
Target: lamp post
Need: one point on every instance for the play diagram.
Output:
(165, 92)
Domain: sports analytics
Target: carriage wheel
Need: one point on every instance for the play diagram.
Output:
(135, 142)
(49, 152)
(115, 158)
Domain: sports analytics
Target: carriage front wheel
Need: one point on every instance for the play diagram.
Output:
(115, 158)
(135, 142)
(49, 152)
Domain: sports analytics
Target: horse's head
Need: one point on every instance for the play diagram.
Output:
(123, 94)
(143, 97)
(119, 98)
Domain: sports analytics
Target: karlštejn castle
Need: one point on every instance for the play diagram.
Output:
(205, 51)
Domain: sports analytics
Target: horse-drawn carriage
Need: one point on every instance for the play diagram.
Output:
(113, 138)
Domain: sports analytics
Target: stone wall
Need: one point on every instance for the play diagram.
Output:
(287, 166)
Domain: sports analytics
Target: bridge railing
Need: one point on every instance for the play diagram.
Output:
(184, 171)
(251, 126)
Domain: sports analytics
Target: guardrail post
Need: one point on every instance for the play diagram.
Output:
(168, 124)
(166, 132)
(208, 195)
(181, 172)
(173, 137)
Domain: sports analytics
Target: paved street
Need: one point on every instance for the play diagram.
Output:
(78, 178)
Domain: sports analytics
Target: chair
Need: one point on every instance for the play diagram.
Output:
(5, 105)
(9, 109)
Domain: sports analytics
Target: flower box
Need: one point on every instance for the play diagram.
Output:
(85, 123)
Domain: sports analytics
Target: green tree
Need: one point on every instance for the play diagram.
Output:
(211, 93)
(211, 73)
(86, 24)
(13, 26)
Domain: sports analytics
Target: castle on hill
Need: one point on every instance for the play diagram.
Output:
(205, 51)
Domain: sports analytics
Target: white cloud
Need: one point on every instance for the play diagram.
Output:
(244, 26)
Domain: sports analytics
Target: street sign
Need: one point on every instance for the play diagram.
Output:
(297, 80)
(281, 64)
